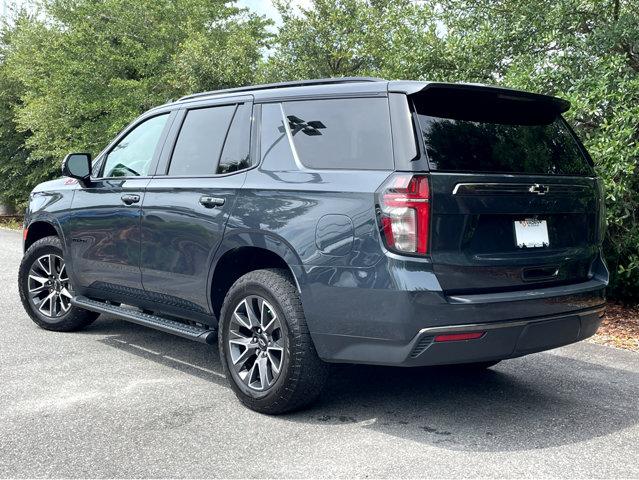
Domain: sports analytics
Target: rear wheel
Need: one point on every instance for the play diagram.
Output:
(265, 347)
(46, 291)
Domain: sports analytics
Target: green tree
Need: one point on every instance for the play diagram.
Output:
(19, 172)
(86, 68)
(15, 169)
(331, 38)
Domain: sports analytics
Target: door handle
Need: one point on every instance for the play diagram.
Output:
(211, 202)
(130, 198)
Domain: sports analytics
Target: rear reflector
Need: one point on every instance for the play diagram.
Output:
(25, 232)
(456, 337)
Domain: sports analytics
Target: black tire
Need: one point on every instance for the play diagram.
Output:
(302, 374)
(74, 318)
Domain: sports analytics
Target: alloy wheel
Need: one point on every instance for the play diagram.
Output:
(257, 343)
(48, 286)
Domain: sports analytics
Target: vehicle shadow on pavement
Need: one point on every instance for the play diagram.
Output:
(540, 401)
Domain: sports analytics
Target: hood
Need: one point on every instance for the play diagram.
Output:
(63, 183)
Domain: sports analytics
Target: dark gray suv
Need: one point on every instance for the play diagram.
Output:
(347, 220)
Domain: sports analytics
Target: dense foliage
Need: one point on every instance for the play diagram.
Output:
(586, 51)
(78, 71)
(74, 72)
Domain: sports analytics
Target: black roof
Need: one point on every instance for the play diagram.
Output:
(370, 86)
(294, 83)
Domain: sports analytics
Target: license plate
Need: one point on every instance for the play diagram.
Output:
(531, 233)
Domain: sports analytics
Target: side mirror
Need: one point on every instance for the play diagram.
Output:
(78, 166)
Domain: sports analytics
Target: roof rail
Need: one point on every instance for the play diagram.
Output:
(295, 83)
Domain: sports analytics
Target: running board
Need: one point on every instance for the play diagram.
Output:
(192, 332)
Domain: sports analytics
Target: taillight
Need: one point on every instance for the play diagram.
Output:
(404, 210)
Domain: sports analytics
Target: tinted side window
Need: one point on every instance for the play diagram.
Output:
(235, 155)
(200, 141)
(132, 156)
(342, 133)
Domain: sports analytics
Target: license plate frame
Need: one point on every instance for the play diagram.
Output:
(531, 233)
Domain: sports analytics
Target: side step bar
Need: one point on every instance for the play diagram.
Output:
(192, 332)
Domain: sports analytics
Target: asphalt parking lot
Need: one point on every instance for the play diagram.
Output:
(119, 400)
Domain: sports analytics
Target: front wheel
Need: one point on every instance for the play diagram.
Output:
(265, 346)
(45, 289)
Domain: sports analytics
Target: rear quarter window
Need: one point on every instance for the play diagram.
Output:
(341, 133)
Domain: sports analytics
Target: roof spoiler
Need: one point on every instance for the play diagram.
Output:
(559, 105)
(482, 102)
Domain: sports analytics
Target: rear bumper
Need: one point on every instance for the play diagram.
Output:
(503, 339)
(382, 314)
(500, 340)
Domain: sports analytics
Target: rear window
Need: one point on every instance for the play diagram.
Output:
(490, 140)
(341, 133)
(235, 154)
(200, 141)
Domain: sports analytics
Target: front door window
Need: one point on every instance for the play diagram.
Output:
(132, 156)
